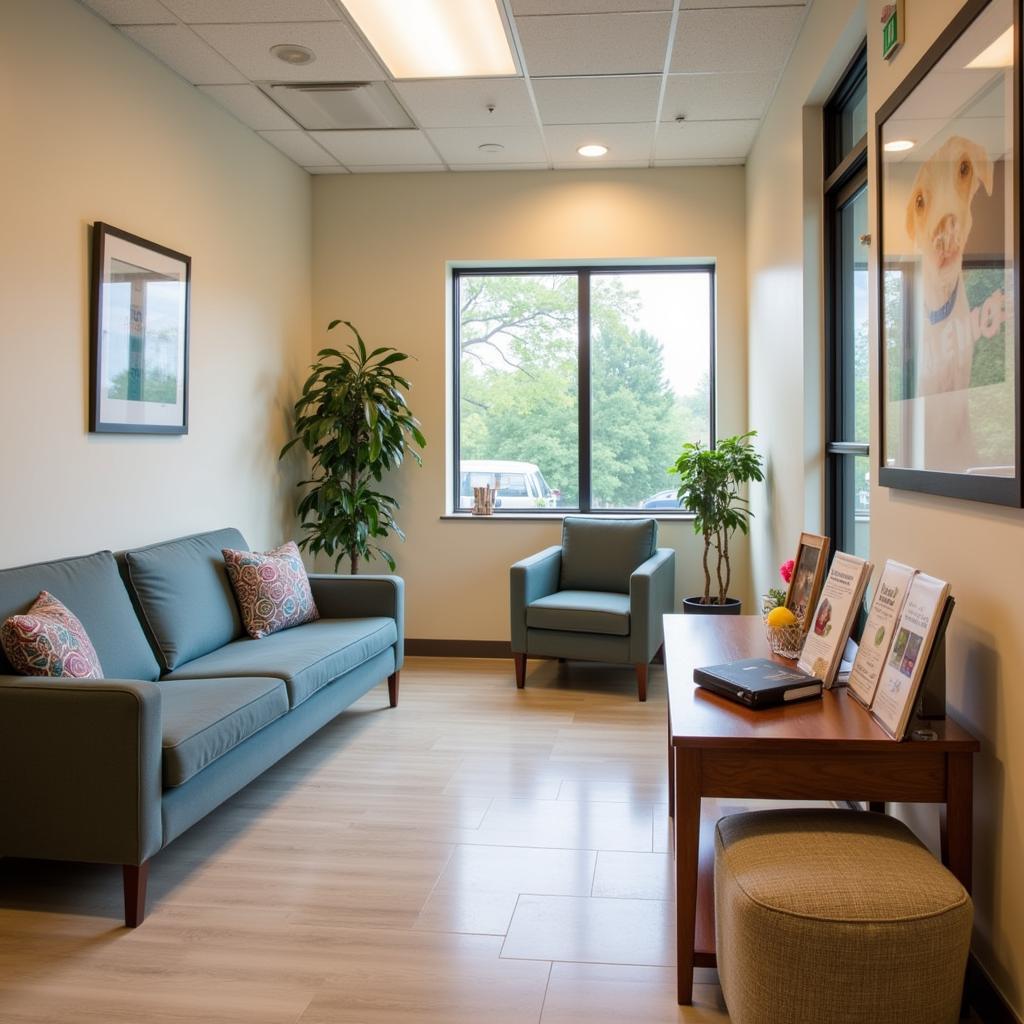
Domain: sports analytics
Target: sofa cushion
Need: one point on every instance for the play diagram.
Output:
(182, 591)
(205, 718)
(306, 657)
(91, 587)
(581, 611)
(49, 640)
(601, 554)
(272, 589)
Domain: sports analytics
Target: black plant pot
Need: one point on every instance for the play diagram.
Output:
(696, 606)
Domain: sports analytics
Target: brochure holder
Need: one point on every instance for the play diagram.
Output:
(931, 700)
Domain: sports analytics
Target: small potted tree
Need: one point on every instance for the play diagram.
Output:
(353, 420)
(710, 482)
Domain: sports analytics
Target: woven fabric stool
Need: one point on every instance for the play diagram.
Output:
(836, 917)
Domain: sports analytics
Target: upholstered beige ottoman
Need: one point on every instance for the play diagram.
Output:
(836, 917)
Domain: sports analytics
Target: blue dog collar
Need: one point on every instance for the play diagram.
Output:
(936, 316)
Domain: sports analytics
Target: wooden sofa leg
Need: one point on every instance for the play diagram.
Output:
(520, 660)
(135, 879)
(641, 681)
(393, 688)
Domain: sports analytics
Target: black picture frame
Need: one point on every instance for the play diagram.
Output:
(970, 484)
(123, 397)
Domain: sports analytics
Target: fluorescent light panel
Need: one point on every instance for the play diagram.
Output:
(436, 38)
(997, 55)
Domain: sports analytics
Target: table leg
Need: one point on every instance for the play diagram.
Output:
(957, 818)
(671, 773)
(687, 850)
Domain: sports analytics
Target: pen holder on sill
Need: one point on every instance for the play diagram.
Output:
(786, 641)
(483, 500)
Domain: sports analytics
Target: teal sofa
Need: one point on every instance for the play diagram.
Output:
(191, 710)
(598, 596)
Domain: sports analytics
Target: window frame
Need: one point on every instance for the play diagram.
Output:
(845, 175)
(583, 273)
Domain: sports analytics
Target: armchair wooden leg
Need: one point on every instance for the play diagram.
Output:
(393, 689)
(520, 661)
(641, 681)
(135, 879)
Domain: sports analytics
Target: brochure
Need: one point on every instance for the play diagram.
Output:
(834, 616)
(886, 606)
(897, 689)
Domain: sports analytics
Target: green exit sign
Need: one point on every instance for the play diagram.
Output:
(892, 28)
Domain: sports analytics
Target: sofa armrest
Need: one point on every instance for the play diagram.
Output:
(652, 594)
(529, 580)
(356, 597)
(80, 769)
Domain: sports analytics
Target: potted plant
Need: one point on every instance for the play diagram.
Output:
(710, 481)
(353, 420)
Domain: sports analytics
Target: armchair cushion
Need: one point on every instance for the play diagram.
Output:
(601, 554)
(581, 611)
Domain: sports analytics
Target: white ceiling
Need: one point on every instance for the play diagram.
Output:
(619, 72)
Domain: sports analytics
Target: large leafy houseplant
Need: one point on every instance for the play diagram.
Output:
(353, 420)
(710, 482)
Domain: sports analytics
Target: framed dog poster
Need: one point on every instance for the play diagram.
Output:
(139, 335)
(947, 145)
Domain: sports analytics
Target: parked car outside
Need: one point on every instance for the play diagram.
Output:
(518, 484)
(663, 499)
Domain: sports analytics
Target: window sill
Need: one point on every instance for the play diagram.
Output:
(540, 517)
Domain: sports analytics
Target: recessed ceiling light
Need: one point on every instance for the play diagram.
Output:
(592, 149)
(898, 146)
(292, 53)
(490, 147)
(436, 38)
(996, 55)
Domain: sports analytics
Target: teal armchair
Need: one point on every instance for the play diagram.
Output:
(598, 596)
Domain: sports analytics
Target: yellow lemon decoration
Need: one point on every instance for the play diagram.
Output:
(780, 617)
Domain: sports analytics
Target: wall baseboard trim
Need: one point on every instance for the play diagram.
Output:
(985, 999)
(459, 648)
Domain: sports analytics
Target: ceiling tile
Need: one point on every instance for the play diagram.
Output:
(395, 168)
(194, 12)
(588, 6)
(754, 39)
(625, 142)
(340, 56)
(456, 103)
(132, 12)
(738, 161)
(180, 49)
(498, 167)
(699, 140)
(299, 146)
(250, 106)
(718, 97)
(742, 3)
(379, 148)
(569, 165)
(462, 145)
(594, 44)
(597, 99)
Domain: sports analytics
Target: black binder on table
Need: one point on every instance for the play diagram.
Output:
(758, 682)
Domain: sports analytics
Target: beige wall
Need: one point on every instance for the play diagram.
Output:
(784, 189)
(94, 128)
(380, 247)
(980, 549)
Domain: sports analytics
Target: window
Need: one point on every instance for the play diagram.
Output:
(577, 387)
(847, 399)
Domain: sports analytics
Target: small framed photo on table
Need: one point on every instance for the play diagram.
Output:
(138, 335)
(808, 573)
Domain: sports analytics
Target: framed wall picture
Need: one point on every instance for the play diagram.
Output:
(808, 573)
(139, 335)
(947, 145)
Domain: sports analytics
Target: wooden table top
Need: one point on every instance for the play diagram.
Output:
(699, 718)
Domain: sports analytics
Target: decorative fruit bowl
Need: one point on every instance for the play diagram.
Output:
(786, 641)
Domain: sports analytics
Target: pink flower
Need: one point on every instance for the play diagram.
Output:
(786, 570)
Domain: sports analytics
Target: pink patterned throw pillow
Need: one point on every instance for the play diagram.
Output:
(49, 640)
(272, 589)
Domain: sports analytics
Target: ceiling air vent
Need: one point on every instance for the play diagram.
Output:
(332, 106)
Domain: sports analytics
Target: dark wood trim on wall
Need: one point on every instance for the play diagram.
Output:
(985, 999)
(459, 648)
